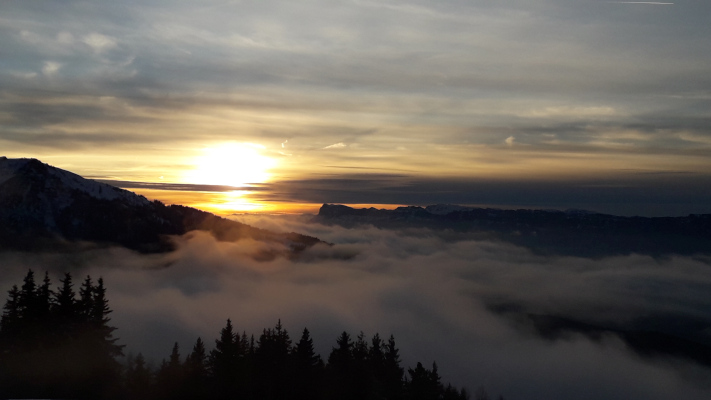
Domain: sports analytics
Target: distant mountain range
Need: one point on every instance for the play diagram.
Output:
(46, 207)
(43, 207)
(572, 232)
(660, 334)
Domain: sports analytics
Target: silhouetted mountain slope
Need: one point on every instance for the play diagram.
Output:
(573, 232)
(45, 207)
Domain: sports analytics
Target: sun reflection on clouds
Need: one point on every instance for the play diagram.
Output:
(238, 200)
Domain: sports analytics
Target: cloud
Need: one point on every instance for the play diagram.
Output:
(572, 112)
(335, 146)
(98, 42)
(23, 75)
(65, 38)
(655, 3)
(51, 67)
(185, 187)
(432, 294)
(624, 192)
(433, 80)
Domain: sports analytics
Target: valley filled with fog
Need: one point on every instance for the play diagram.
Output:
(469, 305)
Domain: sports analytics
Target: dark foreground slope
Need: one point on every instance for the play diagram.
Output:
(45, 207)
(574, 232)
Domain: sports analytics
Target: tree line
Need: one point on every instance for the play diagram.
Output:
(59, 344)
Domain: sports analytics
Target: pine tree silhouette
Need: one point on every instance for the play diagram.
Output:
(272, 363)
(340, 369)
(9, 342)
(99, 346)
(51, 347)
(65, 304)
(196, 373)
(424, 384)
(361, 374)
(224, 363)
(86, 298)
(171, 376)
(55, 345)
(308, 369)
(138, 382)
(376, 366)
(393, 373)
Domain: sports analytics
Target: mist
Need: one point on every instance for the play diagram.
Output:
(438, 298)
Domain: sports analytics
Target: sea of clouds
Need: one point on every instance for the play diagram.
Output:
(433, 294)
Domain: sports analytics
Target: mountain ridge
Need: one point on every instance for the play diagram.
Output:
(42, 206)
(571, 232)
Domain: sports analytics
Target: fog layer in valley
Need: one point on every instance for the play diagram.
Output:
(435, 296)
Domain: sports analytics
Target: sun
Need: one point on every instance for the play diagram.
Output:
(231, 164)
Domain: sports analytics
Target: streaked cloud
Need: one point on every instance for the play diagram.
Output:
(335, 146)
(434, 88)
(642, 2)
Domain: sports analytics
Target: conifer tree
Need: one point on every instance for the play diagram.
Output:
(95, 348)
(174, 360)
(29, 292)
(65, 304)
(138, 379)
(223, 362)
(170, 377)
(55, 348)
(360, 348)
(196, 371)
(69, 339)
(272, 363)
(376, 366)
(342, 355)
(195, 362)
(304, 352)
(308, 369)
(102, 332)
(44, 298)
(392, 371)
(28, 359)
(424, 384)
(376, 357)
(10, 320)
(86, 299)
(451, 393)
(30, 309)
(9, 338)
(361, 374)
(340, 369)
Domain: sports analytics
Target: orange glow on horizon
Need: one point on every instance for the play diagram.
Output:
(238, 202)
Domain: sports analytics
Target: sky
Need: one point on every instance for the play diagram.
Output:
(432, 294)
(550, 103)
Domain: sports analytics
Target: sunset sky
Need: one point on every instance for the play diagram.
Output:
(549, 103)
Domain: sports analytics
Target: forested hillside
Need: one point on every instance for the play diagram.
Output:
(56, 343)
